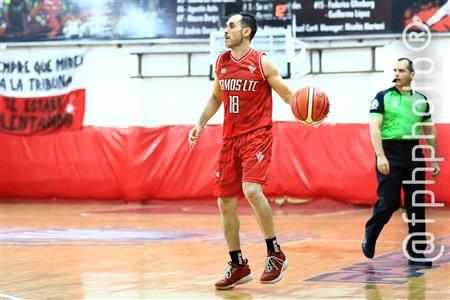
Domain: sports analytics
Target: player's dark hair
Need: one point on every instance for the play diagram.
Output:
(249, 20)
(410, 66)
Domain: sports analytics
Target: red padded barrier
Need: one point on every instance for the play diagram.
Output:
(334, 161)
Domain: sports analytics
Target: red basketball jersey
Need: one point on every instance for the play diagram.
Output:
(246, 95)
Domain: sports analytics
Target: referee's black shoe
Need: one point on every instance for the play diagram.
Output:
(368, 249)
(419, 260)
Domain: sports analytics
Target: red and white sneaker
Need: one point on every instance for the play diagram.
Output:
(274, 266)
(234, 275)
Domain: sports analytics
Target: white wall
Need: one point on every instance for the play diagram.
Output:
(116, 99)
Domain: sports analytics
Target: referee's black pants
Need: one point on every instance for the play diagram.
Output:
(399, 154)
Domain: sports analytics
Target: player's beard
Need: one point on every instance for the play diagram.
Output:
(236, 41)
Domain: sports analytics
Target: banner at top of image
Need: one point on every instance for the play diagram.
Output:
(43, 20)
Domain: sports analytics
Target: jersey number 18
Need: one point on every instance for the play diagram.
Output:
(234, 104)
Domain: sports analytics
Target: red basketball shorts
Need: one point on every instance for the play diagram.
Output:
(245, 158)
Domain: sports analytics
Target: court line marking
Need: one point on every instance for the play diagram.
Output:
(338, 241)
(4, 296)
(337, 213)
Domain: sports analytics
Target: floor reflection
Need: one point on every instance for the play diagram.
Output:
(417, 288)
(372, 292)
(232, 295)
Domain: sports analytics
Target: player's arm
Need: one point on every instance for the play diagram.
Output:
(442, 12)
(212, 106)
(375, 137)
(273, 77)
(431, 131)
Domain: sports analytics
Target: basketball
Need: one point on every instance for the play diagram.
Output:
(310, 105)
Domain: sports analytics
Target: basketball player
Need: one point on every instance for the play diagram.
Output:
(436, 17)
(394, 116)
(244, 81)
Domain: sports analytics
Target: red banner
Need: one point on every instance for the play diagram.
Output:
(47, 114)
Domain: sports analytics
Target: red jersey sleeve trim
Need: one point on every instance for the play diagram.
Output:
(260, 65)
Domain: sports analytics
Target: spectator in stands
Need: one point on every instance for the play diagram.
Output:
(16, 19)
(43, 18)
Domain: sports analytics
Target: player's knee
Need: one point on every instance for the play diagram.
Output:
(252, 192)
(226, 206)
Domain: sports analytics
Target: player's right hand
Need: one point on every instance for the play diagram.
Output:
(383, 165)
(193, 135)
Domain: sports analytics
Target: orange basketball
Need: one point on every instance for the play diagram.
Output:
(310, 105)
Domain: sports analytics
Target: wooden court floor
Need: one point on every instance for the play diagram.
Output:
(175, 250)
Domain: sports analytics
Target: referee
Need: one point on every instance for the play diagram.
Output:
(395, 115)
